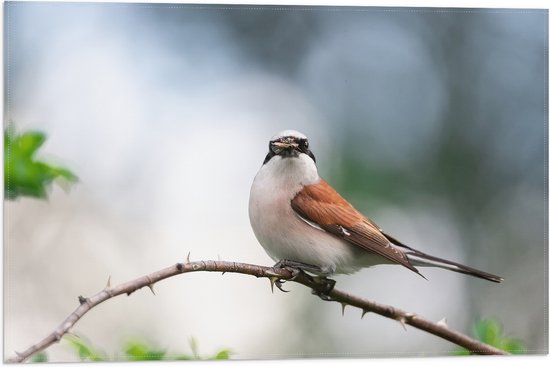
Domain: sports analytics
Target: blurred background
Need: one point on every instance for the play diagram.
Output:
(430, 121)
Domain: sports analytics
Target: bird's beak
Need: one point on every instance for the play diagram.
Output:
(285, 145)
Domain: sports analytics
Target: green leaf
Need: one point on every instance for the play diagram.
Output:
(513, 346)
(85, 351)
(40, 357)
(490, 332)
(29, 142)
(137, 351)
(223, 354)
(23, 174)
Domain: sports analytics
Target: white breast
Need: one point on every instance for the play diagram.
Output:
(280, 230)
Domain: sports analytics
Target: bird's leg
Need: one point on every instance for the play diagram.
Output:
(295, 267)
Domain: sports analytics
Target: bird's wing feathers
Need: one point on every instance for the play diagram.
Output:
(322, 205)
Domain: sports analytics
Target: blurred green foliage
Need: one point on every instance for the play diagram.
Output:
(40, 357)
(24, 175)
(139, 351)
(85, 351)
(490, 332)
(133, 351)
(222, 354)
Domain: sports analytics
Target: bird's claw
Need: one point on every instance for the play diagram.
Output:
(291, 266)
(279, 283)
(274, 278)
(295, 273)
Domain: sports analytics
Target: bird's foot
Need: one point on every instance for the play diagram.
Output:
(326, 286)
(296, 269)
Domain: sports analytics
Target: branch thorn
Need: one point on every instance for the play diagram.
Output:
(364, 313)
(402, 322)
(272, 281)
(150, 286)
(188, 255)
(443, 322)
(343, 307)
(108, 283)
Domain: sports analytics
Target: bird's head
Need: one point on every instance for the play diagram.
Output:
(288, 144)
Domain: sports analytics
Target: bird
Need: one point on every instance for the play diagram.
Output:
(306, 225)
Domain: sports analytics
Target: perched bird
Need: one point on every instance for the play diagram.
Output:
(304, 224)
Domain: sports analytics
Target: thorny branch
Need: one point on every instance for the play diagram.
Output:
(274, 275)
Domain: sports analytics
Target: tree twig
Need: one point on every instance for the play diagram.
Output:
(274, 274)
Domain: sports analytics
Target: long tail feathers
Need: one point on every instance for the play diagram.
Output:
(419, 258)
(422, 259)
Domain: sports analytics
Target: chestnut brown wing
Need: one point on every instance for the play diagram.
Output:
(321, 205)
